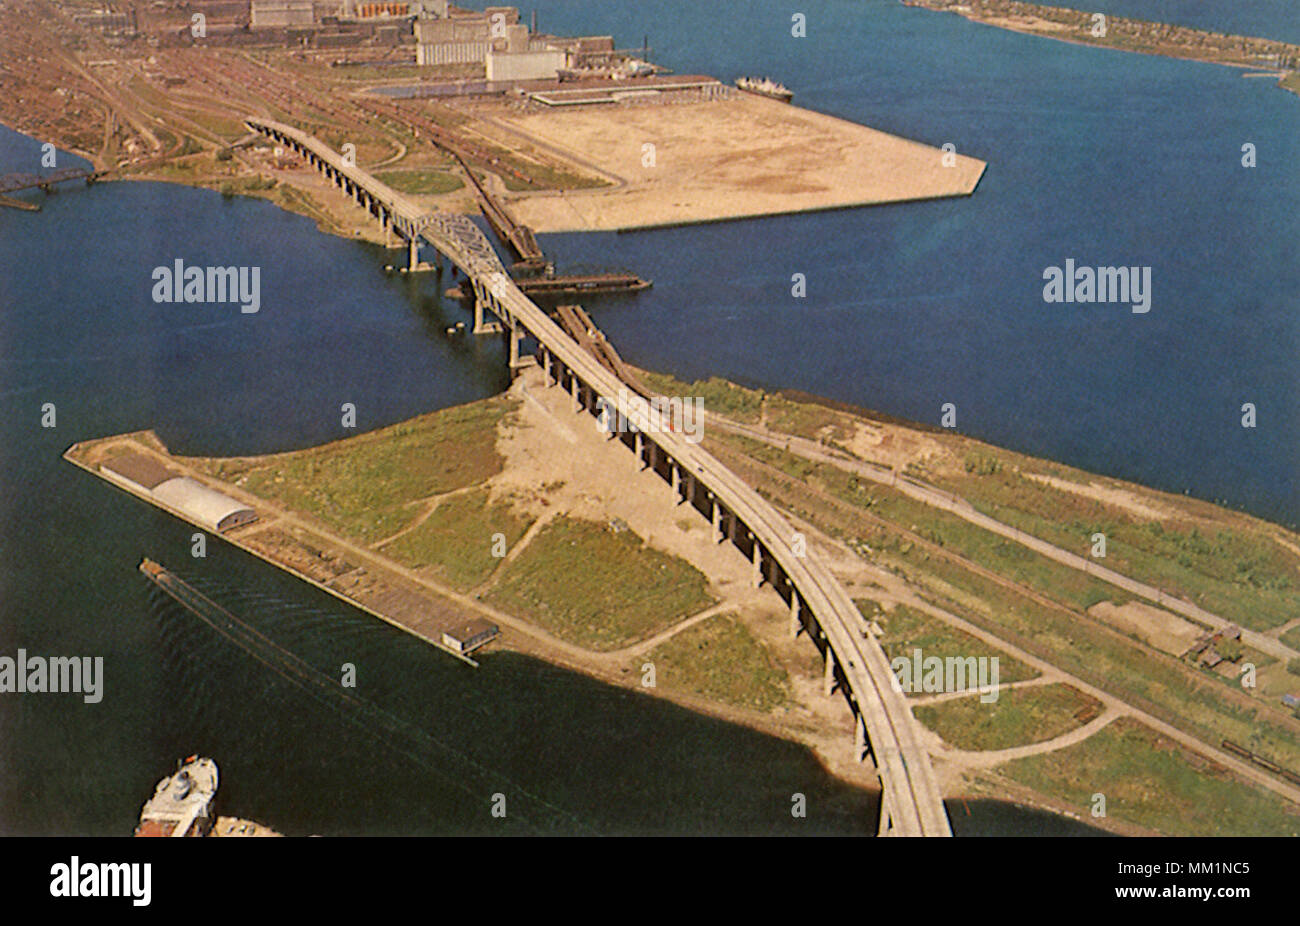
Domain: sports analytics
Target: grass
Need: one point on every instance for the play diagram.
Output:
(1018, 717)
(421, 181)
(361, 486)
(719, 396)
(1292, 638)
(458, 538)
(1149, 780)
(598, 588)
(907, 629)
(1233, 567)
(721, 660)
(1151, 681)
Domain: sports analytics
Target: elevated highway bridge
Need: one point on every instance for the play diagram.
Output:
(855, 664)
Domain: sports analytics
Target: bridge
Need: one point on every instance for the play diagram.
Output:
(12, 183)
(855, 664)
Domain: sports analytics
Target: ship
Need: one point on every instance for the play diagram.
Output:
(182, 803)
(765, 86)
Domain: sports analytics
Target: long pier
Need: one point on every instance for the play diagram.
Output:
(855, 664)
(13, 183)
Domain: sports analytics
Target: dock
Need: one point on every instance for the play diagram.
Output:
(360, 577)
(581, 284)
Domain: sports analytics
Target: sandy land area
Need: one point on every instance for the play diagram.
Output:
(746, 156)
(1158, 627)
(1120, 498)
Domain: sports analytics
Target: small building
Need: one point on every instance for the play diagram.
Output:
(205, 506)
(1291, 700)
(276, 14)
(543, 64)
(465, 636)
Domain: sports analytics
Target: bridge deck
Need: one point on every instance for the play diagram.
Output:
(910, 791)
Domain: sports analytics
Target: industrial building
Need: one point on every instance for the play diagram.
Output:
(206, 507)
(273, 14)
(469, 635)
(495, 38)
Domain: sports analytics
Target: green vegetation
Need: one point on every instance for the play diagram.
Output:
(719, 395)
(907, 629)
(1151, 781)
(361, 486)
(1293, 666)
(1292, 638)
(721, 660)
(990, 551)
(1227, 563)
(1018, 717)
(599, 588)
(808, 419)
(1186, 698)
(421, 181)
(458, 538)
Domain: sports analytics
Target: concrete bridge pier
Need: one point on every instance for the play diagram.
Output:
(796, 616)
(715, 516)
(413, 255)
(482, 299)
(756, 575)
(828, 680)
(859, 737)
(513, 336)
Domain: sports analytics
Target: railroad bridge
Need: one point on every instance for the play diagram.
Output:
(855, 664)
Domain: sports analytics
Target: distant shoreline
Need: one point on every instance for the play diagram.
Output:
(1063, 24)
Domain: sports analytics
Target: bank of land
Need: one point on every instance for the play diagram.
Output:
(515, 510)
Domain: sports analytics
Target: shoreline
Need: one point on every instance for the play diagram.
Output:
(970, 14)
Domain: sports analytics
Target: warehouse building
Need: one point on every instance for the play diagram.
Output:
(205, 506)
(146, 476)
(276, 14)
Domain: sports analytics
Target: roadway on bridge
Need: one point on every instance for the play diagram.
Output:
(911, 801)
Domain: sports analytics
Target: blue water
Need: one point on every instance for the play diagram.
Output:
(1102, 156)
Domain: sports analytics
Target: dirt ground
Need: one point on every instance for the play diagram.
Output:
(1158, 627)
(725, 159)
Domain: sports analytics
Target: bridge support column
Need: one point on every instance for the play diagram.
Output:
(413, 257)
(637, 448)
(576, 388)
(859, 737)
(676, 477)
(715, 514)
(828, 680)
(796, 618)
(756, 575)
(512, 334)
(886, 815)
(546, 366)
